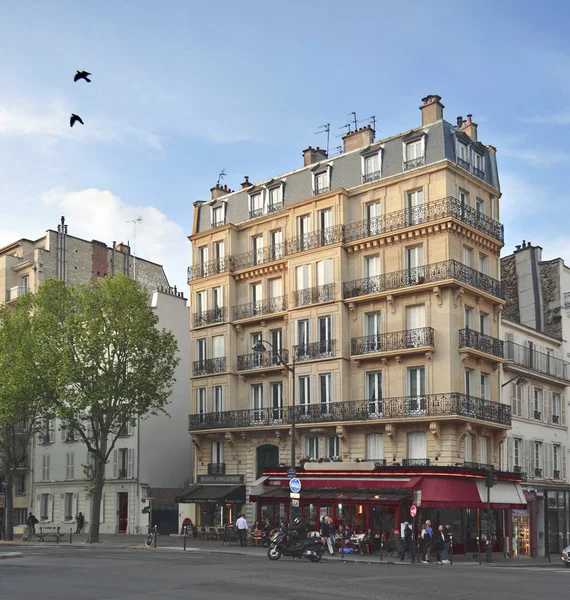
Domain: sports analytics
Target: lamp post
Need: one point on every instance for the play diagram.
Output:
(520, 382)
(259, 347)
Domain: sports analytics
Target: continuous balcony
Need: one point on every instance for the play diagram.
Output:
(432, 273)
(425, 213)
(408, 407)
(261, 360)
(209, 366)
(538, 362)
(315, 350)
(314, 239)
(209, 317)
(480, 342)
(211, 267)
(260, 308)
(393, 342)
(258, 257)
(314, 295)
(262, 211)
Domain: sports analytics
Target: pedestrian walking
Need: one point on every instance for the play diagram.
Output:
(331, 531)
(439, 543)
(408, 546)
(425, 543)
(242, 530)
(326, 535)
(445, 555)
(31, 521)
(80, 520)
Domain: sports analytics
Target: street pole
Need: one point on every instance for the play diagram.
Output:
(489, 482)
(293, 416)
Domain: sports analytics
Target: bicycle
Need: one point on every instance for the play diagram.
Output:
(151, 538)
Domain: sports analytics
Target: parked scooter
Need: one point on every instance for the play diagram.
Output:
(310, 548)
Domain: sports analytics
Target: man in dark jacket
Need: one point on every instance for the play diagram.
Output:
(408, 543)
(439, 543)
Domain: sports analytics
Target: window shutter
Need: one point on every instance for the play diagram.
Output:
(526, 457)
(563, 474)
(548, 459)
(115, 467)
(130, 464)
(52, 431)
(510, 454)
(562, 409)
(533, 464)
(63, 428)
(530, 413)
(547, 407)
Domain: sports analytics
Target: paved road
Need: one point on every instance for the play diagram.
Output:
(103, 574)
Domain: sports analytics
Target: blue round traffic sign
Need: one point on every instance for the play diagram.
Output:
(295, 485)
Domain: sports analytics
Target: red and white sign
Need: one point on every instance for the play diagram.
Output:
(413, 510)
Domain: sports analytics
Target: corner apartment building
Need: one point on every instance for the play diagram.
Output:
(376, 273)
(25, 264)
(536, 378)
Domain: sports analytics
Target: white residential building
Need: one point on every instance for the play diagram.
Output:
(154, 455)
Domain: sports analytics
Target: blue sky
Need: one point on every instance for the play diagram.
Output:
(182, 89)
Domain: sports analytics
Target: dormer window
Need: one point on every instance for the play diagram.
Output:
(275, 199)
(256, 205)
(322, 183)
(371, 167)
(462, 155)
(414, 154)
(479, 165)
(218, 216)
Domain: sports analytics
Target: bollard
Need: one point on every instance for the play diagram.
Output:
(185, 532)
(479, 549)
(70, 534)
(155, 534)
(381, 547)
(57, 536)
(451, 549)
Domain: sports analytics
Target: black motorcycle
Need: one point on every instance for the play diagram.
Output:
(310, 548)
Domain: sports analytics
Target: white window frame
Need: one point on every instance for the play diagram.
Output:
(366, 173)
(333, 446)
(374, 441)
(257, 207)
(312, 447)
(218, 210)
(463, 151)
(320, 171)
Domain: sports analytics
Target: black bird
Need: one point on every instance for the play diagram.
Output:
(82, 75)
(74, 119)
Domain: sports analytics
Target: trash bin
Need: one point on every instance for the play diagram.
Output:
(26, 534)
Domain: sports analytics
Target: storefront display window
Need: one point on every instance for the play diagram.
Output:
(557, 520)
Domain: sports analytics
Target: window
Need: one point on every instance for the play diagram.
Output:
(468, 448)
(462, 154)
(485, 450)
(374, 392)
(20, 485)
(304, 394)
(25, 283)
(325, 278)
(217, 297)
(312, 447)
(70, 465)
(484, 264)
(415, 207)
(537, 404)
(67, 434)
(469, 382)
(303, 227)
(276, 248)
(372, 267)
(556, 409)
(478, 164)
(218, 346)
(123, 463)
(217, 216)
(333, 446)
(45, 467)
(44, 507)
(484, 323)
(325, 393)
(217, 452)
(257, 402)
(257, 249)
(374, 446)
(219, 252)
(322, 183)
(414, 259)
(203, 254)
(479, 207)
(417, 445)
(325, 336)
(509, 346)
(372, 216)
(200, 302)
(201, 350)
(467, 256)
(68, 506)
(517, 452)
(373, 324)
(276, 295)
(463, 201)
(416, 381)
(202, 404)
(277, 340)
(303, 274)
(218, 399)
(468, 316)
(414, 155)
(485, 386)
(537, 456)
(276, 391)
(371, 167)
(303, 332)
(516, 399)
(47, 433)
(256, 297)
(255, 206)
(275, 199)
(556, 462)
(415, 318)
(325, 220)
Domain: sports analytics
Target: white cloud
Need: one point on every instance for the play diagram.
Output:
(538, 158)
(554, 119)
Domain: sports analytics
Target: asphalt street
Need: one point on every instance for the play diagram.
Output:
(58, 573)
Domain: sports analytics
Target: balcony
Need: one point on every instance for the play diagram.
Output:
(314, 239)
(556, 474)
(374, 176)
(415, 462)
(556, 419)
(315, 351)
(538, 472)
(451, 404)
(321, 190)
(393, 342)
(209, 317)
(16, 292)
(478, 173)
(464, 164)
(122, 474)
(211, 267)
(261, 360)
(315, 295)
(209, 366)
(425, 213)
(440, 271)
(537, 415)
(260, 308)
(216, 468)
(258, 257)
(468, 338)
(539, 362)
(414, 163)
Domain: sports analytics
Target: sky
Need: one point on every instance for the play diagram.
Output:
(183, 89)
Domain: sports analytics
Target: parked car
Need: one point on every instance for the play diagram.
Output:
(566, 556)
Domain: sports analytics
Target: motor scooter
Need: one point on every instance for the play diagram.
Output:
(310, 547)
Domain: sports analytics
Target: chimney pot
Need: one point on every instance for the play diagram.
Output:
(459, 121)
(246, 183)
(518, 247)
(469, 118)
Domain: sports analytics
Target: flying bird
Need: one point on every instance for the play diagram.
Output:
(82, 75)
(74, 119)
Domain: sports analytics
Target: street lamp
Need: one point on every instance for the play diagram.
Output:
(259, 347)
(519, 383)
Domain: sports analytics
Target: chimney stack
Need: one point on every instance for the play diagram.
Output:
(312, 155)
(246, 183)
(470, 128)
(432, 109)
(459, 122)
(358, 139)
(220, 190)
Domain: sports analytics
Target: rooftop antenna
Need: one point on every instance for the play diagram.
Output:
(353, 113)
(136, 221)
(326, 128)
(221, 176)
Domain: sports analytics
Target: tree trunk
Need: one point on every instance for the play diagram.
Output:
(9, 509)
(98, 485)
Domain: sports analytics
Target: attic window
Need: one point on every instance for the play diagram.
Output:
(479, 165)
(256, 205)
(218, 216)
(414, 154)
(371, 167)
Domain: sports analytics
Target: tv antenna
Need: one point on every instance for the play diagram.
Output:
(136, 221)
(326, 128)
(221, 176)
(353, 113)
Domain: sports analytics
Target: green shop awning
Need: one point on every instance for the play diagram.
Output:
(213, 493)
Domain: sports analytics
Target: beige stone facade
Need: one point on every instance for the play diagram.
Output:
(395, 279)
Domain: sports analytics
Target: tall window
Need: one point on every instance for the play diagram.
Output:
(484, 323)
(517, 452)
(556, 409)
(45, 467)
(371, 167)
(485, 386)
(68, 506)
(303, 275)
(200, 302)
(256, 205)
(217, 297)
(372, 216)
(485, 450)
(276, 237)
(468, 448)
(415, 316)
(123, 463)
(303, 335)
(303, 225)
(374, 446)
(414, 264)
(44, 507)
(322, 183)
(257, 402)
(469, 382)
(217, 451)
(276, 336)
(371, 266)
(467, 256)
(70, 465)
(203, 254)
(417, 445)
(479, 162)
(257, 358)
(469, 317)
(556, 462)
(219, 252)
(325, 219)
(416, 390)
(304, 394)
(333, 446)
(276, 391)
(324, 272)
(312, 447)
(256, 296)
(374, 392)
(257, 249)
(325, 335)
(462, 153)
(538, 459)
(516, 399)
(373, 324)
(537, 404)
(217, 216)
(275, 199)
(479, 207)
(218, 399)
(218, 346)
(484, 264)
(414, 154)
(202, 404)
(201, 350)
(325, 393)
(415, 207)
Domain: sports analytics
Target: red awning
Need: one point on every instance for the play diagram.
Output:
(383, 483)
(441, 492)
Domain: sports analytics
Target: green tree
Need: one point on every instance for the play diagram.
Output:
(114, 365)
(25, 394)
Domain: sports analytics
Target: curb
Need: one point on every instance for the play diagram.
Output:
(11, 555)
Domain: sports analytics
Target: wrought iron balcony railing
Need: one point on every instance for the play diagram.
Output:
(314, 239)
(447, 269)
(324, 349)
(254, 213)
(432, 211)
(209, 366)
(468, 338)
(368, 177)
(209, 317)
(211, 267)
(261, 360)
(258, 257)
(218, 223)
(415, 462)
(406, 407)
(260, 308)
(414, 163)
(397, 340)
(216, 468)
(479, 173)
(322, 189)
(531, 359)
(463, 163)
(314, 295)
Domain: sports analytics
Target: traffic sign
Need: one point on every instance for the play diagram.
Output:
(295, 485)
(413, 511)
(291, 473)
(294, 495)
(295, 503)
